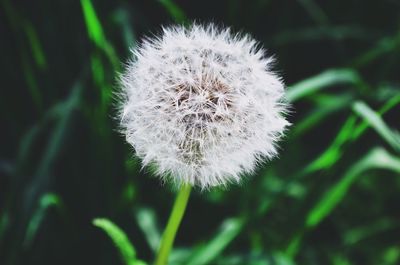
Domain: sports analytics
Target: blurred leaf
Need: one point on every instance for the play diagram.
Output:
(332, 154)
(340, 260)
(17, 23)
(31, 81)
(96, 33)
(315, 11)
(348, 133)
(391, 103)
(391, 256)
(174, 11)
(36, 47)
(321, 81)
(382, 47)
(128, 193)
(41, 180)
(354, 235)
(122, 19)
(47, 201)
(37, 52)
(228, 231)
(327, 105)
(294, 244)
(31, 135)
(120, 240)
(179, 255)
(387, 92)
(274, 258)
(376, 122)
(146, 219)
(377, 158)
(95, 30)
(4, 223)
(98, 73)
(281, 259)
(66, 110)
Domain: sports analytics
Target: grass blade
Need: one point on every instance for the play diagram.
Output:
(332, 154)
(96, 32)
(377, 158)
(36, 47)
(123, 20)
(327, 105)
(349, 132)
(376, 122)
(47, 201)
(174, 11)
(146, 219)
(120, 240)
(321, 81)
(228, 231)
(315, 12)
(357, 234)
(391, 103)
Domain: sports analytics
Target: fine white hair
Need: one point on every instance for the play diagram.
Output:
(202, 105)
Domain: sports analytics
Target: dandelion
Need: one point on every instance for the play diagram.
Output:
(202, 105)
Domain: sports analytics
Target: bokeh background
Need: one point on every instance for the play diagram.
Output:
(332, 197)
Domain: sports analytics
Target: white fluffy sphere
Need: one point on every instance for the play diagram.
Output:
(202, 105)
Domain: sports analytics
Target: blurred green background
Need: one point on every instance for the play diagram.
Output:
(332, 197)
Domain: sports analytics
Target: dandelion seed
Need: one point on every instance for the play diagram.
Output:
(202, 105)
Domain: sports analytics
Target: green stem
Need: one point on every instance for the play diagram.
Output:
(173, 224)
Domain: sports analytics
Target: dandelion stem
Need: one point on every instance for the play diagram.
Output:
(174, 221)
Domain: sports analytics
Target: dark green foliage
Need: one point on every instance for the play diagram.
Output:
(332, 197)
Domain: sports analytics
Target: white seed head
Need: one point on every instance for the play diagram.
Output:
(202, 105)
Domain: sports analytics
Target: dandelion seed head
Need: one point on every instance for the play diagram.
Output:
(202, 104)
